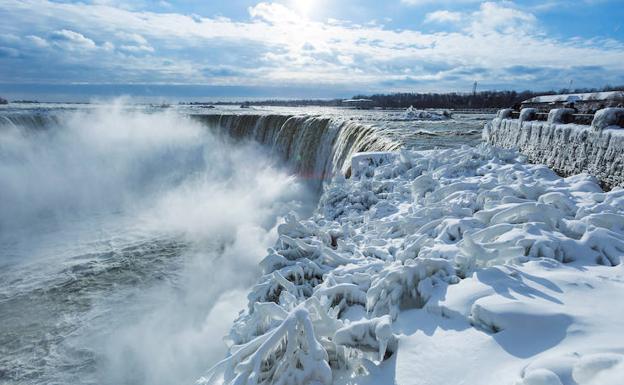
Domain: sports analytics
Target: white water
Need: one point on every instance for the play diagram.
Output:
(128, 241)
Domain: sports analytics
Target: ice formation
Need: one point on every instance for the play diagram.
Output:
(413, 114)
(566, 148)
(399, 235)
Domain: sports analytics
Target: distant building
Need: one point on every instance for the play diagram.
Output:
(358, 103)
(584, 103)
(3, 101)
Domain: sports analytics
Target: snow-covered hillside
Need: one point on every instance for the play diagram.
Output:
(461, 266)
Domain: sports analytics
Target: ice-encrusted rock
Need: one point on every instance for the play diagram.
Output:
(362, 162)
(560, 115)
(396, 238)
(566, 148)
(414, 114)
(527, 114)
(504, 113)
(607, 117)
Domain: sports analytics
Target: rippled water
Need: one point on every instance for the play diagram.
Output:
(130, 235)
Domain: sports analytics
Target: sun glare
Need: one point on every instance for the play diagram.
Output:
(304, 7)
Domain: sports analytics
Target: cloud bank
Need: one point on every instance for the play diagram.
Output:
(498, 44)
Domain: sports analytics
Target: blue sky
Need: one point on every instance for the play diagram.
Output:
(304, 48)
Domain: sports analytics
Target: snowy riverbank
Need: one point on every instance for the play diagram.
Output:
(455, 266)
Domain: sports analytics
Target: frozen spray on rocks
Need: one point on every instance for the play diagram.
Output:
(395, 237)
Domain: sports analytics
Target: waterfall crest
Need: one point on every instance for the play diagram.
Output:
(316, 147)
(30, 120)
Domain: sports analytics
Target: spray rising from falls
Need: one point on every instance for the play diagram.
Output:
(131, 237)
(316, 147)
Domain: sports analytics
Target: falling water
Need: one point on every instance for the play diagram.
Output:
(316, 147)
(129, 238)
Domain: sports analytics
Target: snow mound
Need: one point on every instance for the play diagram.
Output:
(589, 369)
(397, 236)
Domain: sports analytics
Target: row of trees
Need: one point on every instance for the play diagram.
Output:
(484, 99)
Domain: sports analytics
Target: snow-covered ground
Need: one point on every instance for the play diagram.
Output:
(461, 266)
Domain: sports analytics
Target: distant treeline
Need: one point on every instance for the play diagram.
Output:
(483, 99)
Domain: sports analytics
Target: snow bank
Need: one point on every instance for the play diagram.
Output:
(566, 148)
(344, 290)
(588, 369)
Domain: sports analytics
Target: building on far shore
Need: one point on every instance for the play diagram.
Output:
(3, 101)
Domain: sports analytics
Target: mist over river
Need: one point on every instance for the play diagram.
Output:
(130, 236)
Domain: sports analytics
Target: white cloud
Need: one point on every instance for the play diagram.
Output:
(37, 41)
(443, 16)
(71, 39)
(502, 18)
(417, 3)
(132, 37)
(133, 43)
(277, 46)
(274, 13)
(136, 48)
